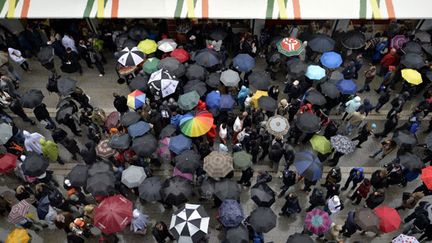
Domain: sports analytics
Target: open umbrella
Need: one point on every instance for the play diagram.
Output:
(412, 76)
(242, 159)
(162, 83)
(262, 219)
(239, 234)
(179, 143)
(213, 100)
(173, 66)
(45, 54)
(317, 221)
(404, 137)
(147, 46)
(315, 98)
(167, 45)
(138, 129)
(426, 176)
(231, 213)
(120, 141)
(184, 27)
(308, 165)
(190, 223)
(243, 62)
(366, 219)
(167, 131)
(308, 122)
(130, 57)
(315, 72)
(180, 54)
(267, 103)
(320, 144)
(331, 59)
(101, 184)
(427, 48)
(136, 99)
(218, 164)
(99, 167)
(5, 133)
(66, 86)
(262, 195)
(7, 162)
(162, 151)
(198, 125)
(412, 47)
(353, 40)
(177, 172)
(290, 46)
(207, 188)
(133, 176)
(78, 175)
(32, 98)
(213, 80)
(422, 36)
(218, 34)
(335, 77)
(43, 207)
(259, 80)
(188, 161)
(299, 238)
(18, 235)
(207, 58)
(411, 161)
(230, 78)
(398, 41)
(189, 100)
(103, 149)
(145, 145)
(150, 189)
(151, 65)
(195, 71)
(176, 190)
(330, 90)
(113, 214)
(63, 112)
(277, 125)
(195, 85)
(227, 189)
(412, 60)
(321, 43)
(137, 33)
(113, 120)
(405, 239)
(35, 164)
(296, 67)
(389, 218)
(346, 86)
(18, 212)
(342, 144)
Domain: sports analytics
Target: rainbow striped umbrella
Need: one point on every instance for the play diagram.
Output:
(198, 125)
(136, 99)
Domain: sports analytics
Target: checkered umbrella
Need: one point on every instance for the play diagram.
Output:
(190, 223)
(18, 212)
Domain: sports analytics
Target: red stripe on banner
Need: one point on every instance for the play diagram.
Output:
(25, 8)
(114, 8)
(296, 6)
(390, 9)
(204, 9)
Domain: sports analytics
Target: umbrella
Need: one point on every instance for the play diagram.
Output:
(218, 34)
(103, 149)
(133, 176)
(45, 55)
(63, 112)
(412, 76)
(226, 102)
(347, 86)
(138, 129)
(32, 98)
(404, 137)
(162, 83)
(130, 57)
(290, 46)
(342, 144)
(177, 172)
(405, 239)
(66, 86)
(198, 125)
(320, 144)
(18, 235)
(267, 103)
(35, 164)
(315, 98)
(167, 131)
(427, 48)
(398, 41)
(207, 188)
(137, 33)
(321, 43)
(167, 45)
(426, 176)
(354, 40)
(145, 145)
(366, 219)
(422, 36)
(243, 62)
(300, 238)
(336, 76)
(296, 67)
(274, 57)
(262, 219)
(99, 167)
(78, 175)
(308, 165)
(262, 195)
(411, 161)
(308, 122)
(136, 99)
(190, 223)
(5, 133)
(230, 78)
(195, 71)
(120, 141)
(188, 100)
(330, 90)
(240, 234)
(43, 207)
(389, 219)
(412, 47)
(147, 46)
(173, 66)
(242, 159)
(7, 162)
(317, 221)
(218, 164)
(113, 120)
(101, 184)
(195, 85)
(150, 189)
(139, 83)
(277, 125)
(213, 100)
(176, 190)
(259, 80)
(315, 72)
(331, 59)
(151, 65)
(179, 143)
(231, 213)
(213, 80)
(207, 58)
(412, 60)
(113, 214)
(18, 212)
(129, 118)
(188, 161)
(162, 151)
(227, 189)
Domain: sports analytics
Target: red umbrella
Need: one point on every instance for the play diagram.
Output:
(180, 54)
(7, 162)
(426, 176)
(113, 214)
(389, 218)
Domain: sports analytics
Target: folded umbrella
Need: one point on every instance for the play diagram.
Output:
(259, 80)
(179, 143)
(113, 214)
(218, 164)
(151, 65)
(66, 86)
(239, 234)
(342, 144)
(103, 150)
(5, 133)
(188, 101)
(190, 223)
(173, 66)
(267, 103)
(321, 43)
(176, 190)
(308, 165)
(195, 71)
(320, 144)
(231, 213)
(262, 219)
(138, 129)
(18, 212)
(308, 122)
(230, 78)
(227, 189)
(78, 176)
(331, 59)
(145, 145)
(347, 86)
(412, 60)
(150, 189)
(139, 83)
(7, 162)
(426, 177)
(147, 46)
(277, 125)
(34, 164)
(315, 98)
(389, 218)
(167, 45)
(398, 41)
(262, 195)
(133, 176)
(207, 58)
(137, 33)
(213, 80)
(296, 67)
(412, 76)
(101, 184)
(198, 125)
(317, 221)
(353, 40)
(180, 54)
(366, 219)
(299, 238)
(130, 57)
(195, 85)
(188, 161)
(242, 159)
(99, 167)
(243, 62)
(129, 118)
(32, 98)
(226, 102)
(412, 47)
(330, 90)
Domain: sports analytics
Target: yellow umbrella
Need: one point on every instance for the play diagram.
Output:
(147, 46)
(412, 76)
(18, 235)
(320, 144)
(256, 96)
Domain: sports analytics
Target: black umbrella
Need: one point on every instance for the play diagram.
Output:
(144, 145)
(412, 47)
(128, 43)
(207, 57)
(404, 137)
(66, 86)
(101, 184)
(129, 118)
(207, 187)
(120, 141)
(188, 161)
(308, 122)
(138, 33)
(262, 219)
(315, 98)
(422, 36)
(227, 189)
(321, 43)
(176, 190)
(130, 57)
(218, 35)
(239, 234)
(150, 189)
(329, 89)
(173, 66)
(99, 167)
(274, 57)
(195, 71)
(411, 161)
(262, 195)
(267, 103)
(197, 85)
(78, 175)
(300, 238)
(140, 83)
(67, 101)
(63, 112)
(46, 54)
(296, 67)
(32, 98)
(412, 60)
(213, 80)
(354, 40)
(35, 164)
(260, 80)
(427, 48)
(428, 141)
(168, 131)
(335, 77)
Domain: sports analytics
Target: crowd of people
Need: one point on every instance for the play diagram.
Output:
(198, 103)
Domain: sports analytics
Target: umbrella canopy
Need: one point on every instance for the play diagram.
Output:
(243, 62)
(136, 99)
(198, 125)
(231, 213)
(308, 122)
(43, 207)
(330, 90)
(411, 161)
(78, 176)
(101, 184)
(315, 98)
(176, 190)
(321, 43)
(5, 133)
(195, 85)
(177, 172)
(167, 45)
(173, 66)
(389, 219)
(179, 143)
(336, 76)
(195, 71)
(242, 159)
(18, 235)
(137, 33)
(133, 176)
(412, 76)
(35, 164)
(213, 100)
(315, 72)
(262, 219)
(113, 214)
(230, 78)
(63, 112)
(32, 98)
(218, 34)
(151, 65)
(320, 144)
(162, 151)
(150, 189)
(139, 83)
(207, 188)
(412, 47)
(290, 46)
(99, 167)
(207, 58)
(103, 149)
(7, 162)
(145, 145)
(342, 144)
(412, 60)
(354, 40)
(404, 137)
(113, 120)
(426, 176)
(226, 102)
(427, 48)
(300, 238)
(120, 141)
(162, 83)
(277, 125)
(18, 212)
(188, 100)
(147, 46)
(138, 129)
(240, 234)
(180, 54)
(308, 165)
(184, 27)
(213, 80)
(422, 36)
(260, 80)
(130, 57)
(66, 86)
(218, 164)
(366, 219)
(45, 54)
(188, 161)
(190, 223)
(263, 195)
(267, 103)
(167, 131)
(331, 59)
(347, 86)
(317, 221)
(398, 41)
(227, 189)
(296, 67)
(405, 239)
(129, 118)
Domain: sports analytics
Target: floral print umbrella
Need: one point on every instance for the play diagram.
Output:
(317, 221)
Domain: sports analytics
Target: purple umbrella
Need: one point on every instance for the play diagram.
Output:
(398, 41)
(226, 102)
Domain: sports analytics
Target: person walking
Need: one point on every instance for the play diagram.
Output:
(382, 100)
(410, 200)
(389, 126)
(352, 106)
(41, 113)
(289, 178)
(390, 59)
(160, 232)
(356, 176)
(246, 177)
(361, 192)
(316, 199)
(50, 150)
(60, 136)
(364, 134)
(16, 56)
(349, 227)
(369, 77)
(291, 205)
(375, 199)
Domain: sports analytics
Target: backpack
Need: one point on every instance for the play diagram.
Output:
(52, 85)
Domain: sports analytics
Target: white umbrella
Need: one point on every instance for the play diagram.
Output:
(230, 78)
(162, 83)
(130, 57)
(190, 223)
(167, 45)
(133, 176)
(277, 125)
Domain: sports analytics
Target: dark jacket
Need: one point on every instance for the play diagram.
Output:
(420, 217)
(120, 103)
(41, 112)
(89, 153)
(292, 205)
(374, 201)
(377, 181)
(317, 197)
(161, 235)
(350, 225)
(276, 152)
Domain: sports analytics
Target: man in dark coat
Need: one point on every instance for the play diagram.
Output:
(375, 199)
(160, 232)
(89, 153)
(41, 113)
(316, 199)
(60, 136)
(291, 205)
(16, 107)
(350, 227)
(246, 176)
(120, 103)
(71, 62)
(289, 178)
(421, 220)
(276, 153)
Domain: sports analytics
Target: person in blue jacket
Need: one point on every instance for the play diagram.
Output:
(356, 176)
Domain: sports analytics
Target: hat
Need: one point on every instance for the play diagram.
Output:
(374, 125)
(42, 176)
(135, 213)
(296, 82)
(357, 98)
(284, 102)
(67, 182)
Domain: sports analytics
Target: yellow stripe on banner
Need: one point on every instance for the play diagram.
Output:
(282, 9)
(11, 10)
(101, 8)
(375, 9)
(190, 8)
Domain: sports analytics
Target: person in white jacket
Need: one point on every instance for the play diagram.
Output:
(68, 42)
(17, 57)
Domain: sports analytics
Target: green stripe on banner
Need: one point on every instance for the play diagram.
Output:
(105, 3)
(178, 9)
(88, 8)
(363, 8)
(269, 11)
(2, 3)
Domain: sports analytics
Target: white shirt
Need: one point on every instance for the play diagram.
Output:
(16, 55)
(67, 41)
(223, 132)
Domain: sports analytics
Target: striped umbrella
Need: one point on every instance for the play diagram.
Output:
(218, 164)
(136, 99)
(130, 57)
(18, 212)
(198, 125)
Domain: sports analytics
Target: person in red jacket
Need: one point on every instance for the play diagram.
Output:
(390, 59)
(361, 192)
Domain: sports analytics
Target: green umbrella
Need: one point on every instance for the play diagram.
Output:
(290, 46)
(151, 65)
(189, 100)
(242, 160)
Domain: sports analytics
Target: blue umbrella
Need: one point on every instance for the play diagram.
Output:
(347, 86)
(207, 58)
(226, 102)
(175, 120)
(315, 72)
(331, 59)
(43, 207)
(213, 100)
(308, 165)
(138, 129)
(230, 213)
(179, 143)
(243, 62)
